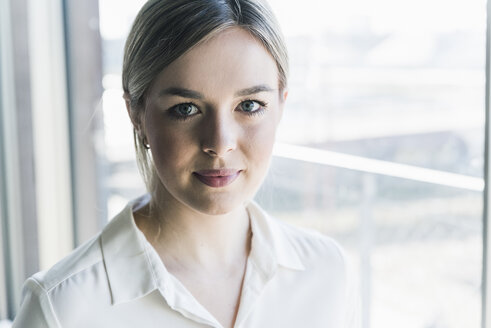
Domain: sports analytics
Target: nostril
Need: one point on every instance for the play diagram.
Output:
(218, 151)
(219, 138)
(210, 152)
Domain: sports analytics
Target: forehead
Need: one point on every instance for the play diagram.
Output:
(229, 61)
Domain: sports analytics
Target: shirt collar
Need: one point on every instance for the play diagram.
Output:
(135, 270)
(270, 240)
(124, 249)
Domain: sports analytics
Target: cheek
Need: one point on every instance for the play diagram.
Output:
(259, 142)
(170, 149)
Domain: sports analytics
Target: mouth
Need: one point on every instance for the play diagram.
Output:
(217, 178)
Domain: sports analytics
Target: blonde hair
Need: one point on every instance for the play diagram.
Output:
(164, 30)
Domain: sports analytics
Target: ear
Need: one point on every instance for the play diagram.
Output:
(134, 117)
(283, 96)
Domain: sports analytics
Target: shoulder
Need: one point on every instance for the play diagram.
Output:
(88, 259)
(47, 294)
(91, 278)
(293, 244)
(328, 267)
(296, 246)
(75, 264)
(326, 273)
(311, 246)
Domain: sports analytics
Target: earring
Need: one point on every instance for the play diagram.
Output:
(146, 145)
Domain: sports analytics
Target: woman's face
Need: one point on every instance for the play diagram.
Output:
(210, 120)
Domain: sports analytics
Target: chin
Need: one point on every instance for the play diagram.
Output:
(211, 203)
(217, 205)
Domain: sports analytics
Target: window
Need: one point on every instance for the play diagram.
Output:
(380, 146)
(381, 143)
(401, 83)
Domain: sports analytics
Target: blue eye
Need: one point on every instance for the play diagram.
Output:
(184, 110)
(250, 106)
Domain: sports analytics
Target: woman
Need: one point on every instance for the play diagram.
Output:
(205, 85)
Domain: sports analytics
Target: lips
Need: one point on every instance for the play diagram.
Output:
(217, 178)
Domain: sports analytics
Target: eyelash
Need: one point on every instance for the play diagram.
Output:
(262, 107)
(172, 111)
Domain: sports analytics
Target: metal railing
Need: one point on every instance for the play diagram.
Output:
(375, 166)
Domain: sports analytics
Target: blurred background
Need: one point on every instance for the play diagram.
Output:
(381, 145)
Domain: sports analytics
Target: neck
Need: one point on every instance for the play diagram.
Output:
(189, 240)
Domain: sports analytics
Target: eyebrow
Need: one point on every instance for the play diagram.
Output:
(187, 93)
(181, 92)
(253, 90)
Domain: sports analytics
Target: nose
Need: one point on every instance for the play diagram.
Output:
(219, 136)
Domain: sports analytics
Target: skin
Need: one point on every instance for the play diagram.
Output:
(206, 229)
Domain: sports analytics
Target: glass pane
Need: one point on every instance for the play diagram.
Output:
(400, 82)
(123, 181)
(420, 245)
(395, 80)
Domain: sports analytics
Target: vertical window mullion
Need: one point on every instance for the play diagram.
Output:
(486, 274)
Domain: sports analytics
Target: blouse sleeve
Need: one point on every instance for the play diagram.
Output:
(36, 310)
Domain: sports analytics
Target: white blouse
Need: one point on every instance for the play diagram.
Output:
(294, 278)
